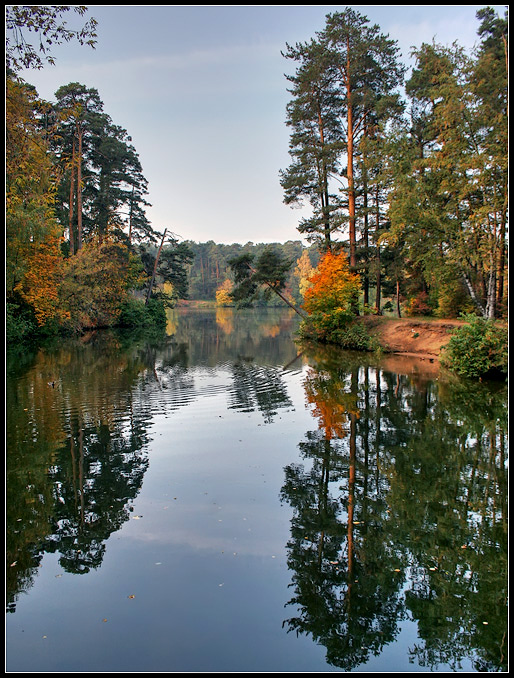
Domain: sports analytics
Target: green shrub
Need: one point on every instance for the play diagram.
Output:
(477, 349)
(156, 311)
(355, 336)
(134, 313)
(19, 323)
(338, 328)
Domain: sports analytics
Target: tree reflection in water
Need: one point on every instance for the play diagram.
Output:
(74, 465)
(400, 512)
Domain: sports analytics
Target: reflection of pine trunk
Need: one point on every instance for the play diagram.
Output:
(81, 473)
(366, 434)
(73, 465)
(351, 516)
(377, 427)
(351, 497)
(77, 465)
(323, 497)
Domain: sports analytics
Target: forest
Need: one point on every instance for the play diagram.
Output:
(406, 178)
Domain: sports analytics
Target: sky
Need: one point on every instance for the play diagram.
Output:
(201, 89)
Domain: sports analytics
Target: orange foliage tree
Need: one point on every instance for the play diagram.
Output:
(42, 282)
(331, 298)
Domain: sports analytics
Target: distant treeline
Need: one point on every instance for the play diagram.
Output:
(210, 268)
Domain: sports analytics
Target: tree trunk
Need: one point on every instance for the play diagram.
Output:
(73, 248)
(131, 212)
(278, 293)
(365, 281)
(501, 260)
(79, 190)
(297, 310)
(149, 293)
(378, 300)
(473, 295)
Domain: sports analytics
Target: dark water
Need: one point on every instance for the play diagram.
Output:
(211, 501)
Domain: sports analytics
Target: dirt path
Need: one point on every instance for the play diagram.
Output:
(422, 337)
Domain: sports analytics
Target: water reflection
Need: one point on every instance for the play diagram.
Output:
(79, 416)
(396, 486)
(76, 458)
(400, 513)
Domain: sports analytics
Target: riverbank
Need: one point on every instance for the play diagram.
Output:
(420, 337)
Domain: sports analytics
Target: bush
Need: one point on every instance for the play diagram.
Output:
(134, 313)
(337, 328)
(156, 312)
(19, 325)
(478, 349)
(356, 337)
(418, 305)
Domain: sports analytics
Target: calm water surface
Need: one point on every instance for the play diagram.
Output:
(213, 500)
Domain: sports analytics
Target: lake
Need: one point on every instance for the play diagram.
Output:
(217, 498)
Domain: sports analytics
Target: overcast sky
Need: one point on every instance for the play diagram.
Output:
(201, 91)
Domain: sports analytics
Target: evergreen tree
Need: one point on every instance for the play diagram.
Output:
(315, 144)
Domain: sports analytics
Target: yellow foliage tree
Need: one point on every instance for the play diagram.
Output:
(303, 272)
(223, 297)
(97, 281)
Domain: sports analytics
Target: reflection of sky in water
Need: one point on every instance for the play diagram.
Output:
(224, 468)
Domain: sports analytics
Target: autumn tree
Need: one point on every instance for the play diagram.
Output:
(330, 300)
(303, 272)
(33, 235)
(223, 297)
(97, 280)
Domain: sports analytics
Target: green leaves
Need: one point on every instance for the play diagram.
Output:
(477, 349)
